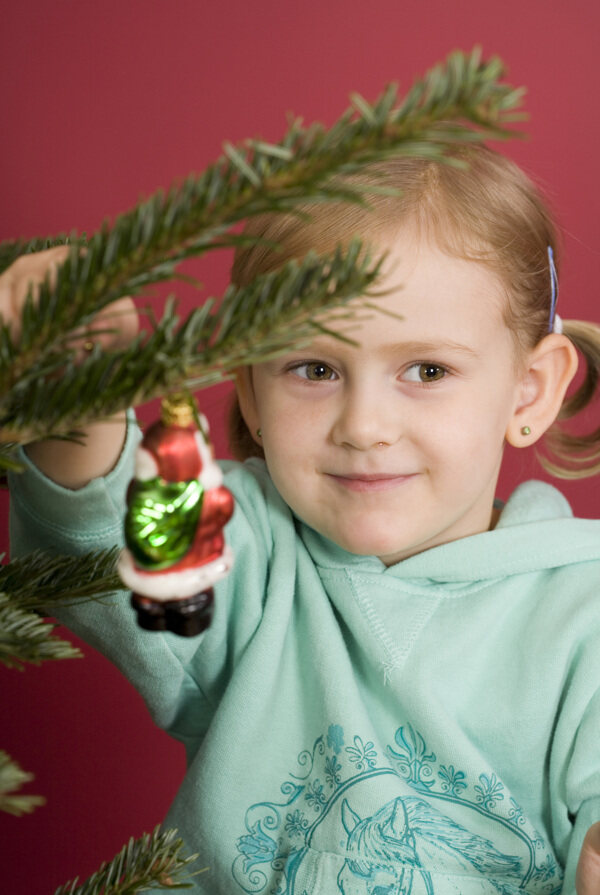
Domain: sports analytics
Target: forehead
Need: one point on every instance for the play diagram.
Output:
(424, 288)
(417, 243)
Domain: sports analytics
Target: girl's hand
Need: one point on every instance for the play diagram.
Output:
(121, 315)
(587, 881)
(69, 464)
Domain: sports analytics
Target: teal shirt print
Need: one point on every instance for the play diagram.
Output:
(353, 821)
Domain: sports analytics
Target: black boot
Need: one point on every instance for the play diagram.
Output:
(190, 617)
(150, 613)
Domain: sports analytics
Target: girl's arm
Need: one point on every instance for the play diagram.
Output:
(70, 499)
(67, 463)
(180, 684)
(74, 465)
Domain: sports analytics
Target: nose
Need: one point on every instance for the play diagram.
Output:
(366, 418)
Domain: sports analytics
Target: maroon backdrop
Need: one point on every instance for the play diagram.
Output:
(104, 102)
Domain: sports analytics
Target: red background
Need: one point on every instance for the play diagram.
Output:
(104, 102)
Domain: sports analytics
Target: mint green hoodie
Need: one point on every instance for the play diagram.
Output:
(432, 728)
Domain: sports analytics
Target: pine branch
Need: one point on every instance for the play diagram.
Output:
(26, 638)
(39, 582)
(247, 325)
(459, 102)
(35, 585)
(151, 862)
(9, 460)
(12, 778)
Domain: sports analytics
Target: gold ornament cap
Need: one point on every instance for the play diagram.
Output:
(176, 410)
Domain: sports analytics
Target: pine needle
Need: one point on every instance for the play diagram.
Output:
(26, 638)
(12, 778)
(154, 861)
(40, 581)
(36, 585)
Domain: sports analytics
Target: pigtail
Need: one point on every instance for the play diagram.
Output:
(578, 456)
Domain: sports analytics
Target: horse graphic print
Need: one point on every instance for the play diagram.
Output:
(357, 820)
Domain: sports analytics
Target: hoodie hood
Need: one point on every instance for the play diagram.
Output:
(536, 530)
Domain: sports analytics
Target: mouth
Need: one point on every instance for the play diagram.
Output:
(370, 482)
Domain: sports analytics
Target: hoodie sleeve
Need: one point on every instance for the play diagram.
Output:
(44, 515)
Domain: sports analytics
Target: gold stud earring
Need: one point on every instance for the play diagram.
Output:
(259, 433)
(525, 430)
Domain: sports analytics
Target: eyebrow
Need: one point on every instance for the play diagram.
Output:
(414, 348)
(423, 348)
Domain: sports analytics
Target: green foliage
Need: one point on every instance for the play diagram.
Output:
(12, 778)
(43, 391)
(55, 394)
(151, 862)
(25, 637)
(39, 583)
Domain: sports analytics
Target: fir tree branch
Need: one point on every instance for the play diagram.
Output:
(151, 862)
(247, 325)
(27, 638)
(40, 581)
(36, 585)
(12, 778)
(455, 103)
(9, 460)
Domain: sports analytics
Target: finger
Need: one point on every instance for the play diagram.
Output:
(34, 268)
(121, 316)
(5, 298)
(587, 881)
(27, 272)
(113, 329)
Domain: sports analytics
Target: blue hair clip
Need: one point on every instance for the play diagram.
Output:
(553, 289)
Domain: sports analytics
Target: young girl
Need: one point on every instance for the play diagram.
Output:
(400, 689)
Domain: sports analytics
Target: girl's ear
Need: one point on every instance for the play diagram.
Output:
(244, 387)
(549, 369)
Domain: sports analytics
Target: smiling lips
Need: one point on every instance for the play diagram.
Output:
(369, 483)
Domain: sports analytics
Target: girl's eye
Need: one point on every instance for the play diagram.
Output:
(315, 371)
(425, 373)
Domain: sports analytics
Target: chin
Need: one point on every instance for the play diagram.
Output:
(368, 545)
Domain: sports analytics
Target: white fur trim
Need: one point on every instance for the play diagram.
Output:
(210, 476)
(173, 585)
(145, 465)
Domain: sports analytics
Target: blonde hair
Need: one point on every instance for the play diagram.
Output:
(486, 210)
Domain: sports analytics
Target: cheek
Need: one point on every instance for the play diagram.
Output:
(287, 455)
(293, 426)
(284, 439)
(462, 442)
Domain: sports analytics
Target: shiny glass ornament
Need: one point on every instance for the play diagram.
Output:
(161, 520)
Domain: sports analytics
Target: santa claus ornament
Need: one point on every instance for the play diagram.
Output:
(177, 507)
